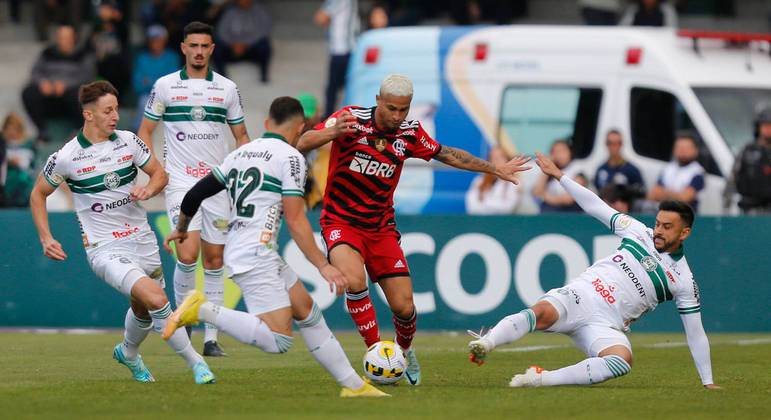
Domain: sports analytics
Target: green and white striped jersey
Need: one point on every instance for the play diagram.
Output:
(257, 175)
(196, 114)
(101, 176)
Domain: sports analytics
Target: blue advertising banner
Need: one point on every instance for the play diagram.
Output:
(467, 271)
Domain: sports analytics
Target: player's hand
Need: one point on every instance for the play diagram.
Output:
(174, 236)
(53, 249)
(344, 124)
(713, 386)
(335, 278)
(547, 166)
(509, 171)
(139, 193)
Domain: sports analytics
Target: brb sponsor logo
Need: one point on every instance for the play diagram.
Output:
(86, 170)
(199, 172)
(126, 232)
(182, 136)
(99, 207)
(368, 166)
(125, 158)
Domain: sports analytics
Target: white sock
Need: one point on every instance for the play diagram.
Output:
(135, 333)
(589, 371)
(178, 341)
(513, 327)
(184, 281)
(327, 350)
(214, 290)
(245, 328)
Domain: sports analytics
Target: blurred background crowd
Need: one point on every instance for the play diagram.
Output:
(302, 48)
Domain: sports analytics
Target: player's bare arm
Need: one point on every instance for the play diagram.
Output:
(240, 134)
(203, 189)
(145, 132)
(158, 180)
(316, 138)
(462, 159)
(300, 229)
(37, 204)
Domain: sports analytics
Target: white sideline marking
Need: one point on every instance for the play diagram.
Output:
(667, 344)
(753, 341)
(73, 331)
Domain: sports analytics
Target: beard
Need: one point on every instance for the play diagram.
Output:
(199, 66)
(665, 247)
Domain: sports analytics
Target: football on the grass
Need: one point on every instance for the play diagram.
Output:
(384, 363)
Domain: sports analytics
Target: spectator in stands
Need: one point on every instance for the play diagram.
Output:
(152, 63)
(173, 15)
(489, 194)
(553, 197)
(650, 13)
(683, 177)
(616, 170)
(616, 196)
(243, 33)
(751, 175)
(109, 42)
(342, 18)
(59, 11)
(599, 12)
(56, 76)
(19, 161)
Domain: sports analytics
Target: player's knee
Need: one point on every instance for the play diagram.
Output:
(283, 342)
(403, 308)
(155, 301)
(212, 262)
(617, 365)
(186, 259)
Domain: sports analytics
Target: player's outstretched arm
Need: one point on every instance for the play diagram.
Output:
(203, 189)
(339, 126)
(300, 229)
(37, 204)
(462, 159)
(589, 201)
(158, 180)
(698, 343)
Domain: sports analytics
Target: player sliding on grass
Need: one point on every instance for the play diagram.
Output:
(100, 167)
(369, 147)
(264, 179)
(648, 268)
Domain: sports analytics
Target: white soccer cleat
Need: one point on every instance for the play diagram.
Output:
(480, 347)
(533, 376)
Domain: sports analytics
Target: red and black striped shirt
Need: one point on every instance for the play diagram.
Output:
(364, 169)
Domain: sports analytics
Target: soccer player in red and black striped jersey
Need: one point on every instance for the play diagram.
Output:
(369, 148)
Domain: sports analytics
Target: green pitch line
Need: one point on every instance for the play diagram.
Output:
(74, 376)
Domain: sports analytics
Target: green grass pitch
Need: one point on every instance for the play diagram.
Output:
(69, 376)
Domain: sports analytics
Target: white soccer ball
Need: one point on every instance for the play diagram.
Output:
(384, 363)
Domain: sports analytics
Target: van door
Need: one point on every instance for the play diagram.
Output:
(655, 116)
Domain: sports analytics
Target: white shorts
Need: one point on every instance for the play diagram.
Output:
(586, 316)
(122, 262)
(211, 219)
(266, 287)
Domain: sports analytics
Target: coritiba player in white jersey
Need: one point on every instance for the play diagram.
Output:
(595, 309)
(265, 179)
(197, 106)
(100, 166)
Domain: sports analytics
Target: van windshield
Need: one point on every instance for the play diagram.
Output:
(733, 112)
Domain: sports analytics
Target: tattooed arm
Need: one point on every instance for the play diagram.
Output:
(462, 159)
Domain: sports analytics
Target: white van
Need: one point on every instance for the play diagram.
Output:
(524, 87)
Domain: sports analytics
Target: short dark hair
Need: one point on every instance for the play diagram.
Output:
(613, 131)
(688, 134)
(680, 207)
(285, 108)
(197, 28)
(95, 90)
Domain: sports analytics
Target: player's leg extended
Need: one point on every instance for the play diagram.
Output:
(398, 292)
(357, 300)
(214, 290)
(323, 345)
(138, 324)
(540, 316)
(149, 293)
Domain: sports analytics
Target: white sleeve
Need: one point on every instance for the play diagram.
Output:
(55, 170)
(699, 345)
(293, 175)
(234, 108)
(155, 106)
(589, 201)
(142, 153)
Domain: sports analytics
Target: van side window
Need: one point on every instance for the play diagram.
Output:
(656, 117)
(532, 117)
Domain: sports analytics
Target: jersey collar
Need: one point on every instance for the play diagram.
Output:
(84, 142)
(183, 74)
(269, 135)
(679, 253)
